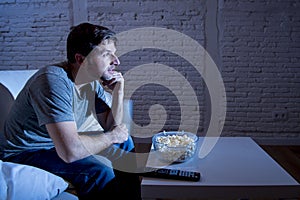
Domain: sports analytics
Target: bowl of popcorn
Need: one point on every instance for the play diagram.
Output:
(175, 146)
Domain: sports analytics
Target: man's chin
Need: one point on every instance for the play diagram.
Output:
(106, 77)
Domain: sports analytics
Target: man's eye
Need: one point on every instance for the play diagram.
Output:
(105, 54)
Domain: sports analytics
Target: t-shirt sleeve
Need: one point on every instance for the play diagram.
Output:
(51, 98)
(101, 100)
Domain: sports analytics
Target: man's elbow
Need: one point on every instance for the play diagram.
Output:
(67, 157)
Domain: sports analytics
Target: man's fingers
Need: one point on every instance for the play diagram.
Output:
(108, 82)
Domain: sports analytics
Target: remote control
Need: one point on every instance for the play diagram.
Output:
(175, 174)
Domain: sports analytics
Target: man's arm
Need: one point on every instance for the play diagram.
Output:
(70, 146)
(114, 116)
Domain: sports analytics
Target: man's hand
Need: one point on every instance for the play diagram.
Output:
(119, 134)
(115, 79)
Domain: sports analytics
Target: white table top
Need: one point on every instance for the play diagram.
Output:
(236, 165)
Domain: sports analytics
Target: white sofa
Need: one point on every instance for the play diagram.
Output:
(21, 181)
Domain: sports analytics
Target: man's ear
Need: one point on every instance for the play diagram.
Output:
(79, 58)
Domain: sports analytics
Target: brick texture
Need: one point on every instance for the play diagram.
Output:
(32, 33)
(256, 46)
(260, 57)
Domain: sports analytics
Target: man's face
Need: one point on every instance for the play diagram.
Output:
(99, 63)
(102, 61)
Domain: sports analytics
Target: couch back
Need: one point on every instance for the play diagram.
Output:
(11, 83)
(6, 101)
(14, 80)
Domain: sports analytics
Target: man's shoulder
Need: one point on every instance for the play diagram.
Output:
(56, 69)
(52, 72)
(50, 77)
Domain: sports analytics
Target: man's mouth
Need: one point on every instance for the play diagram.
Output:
(111, 69)
(109, 74)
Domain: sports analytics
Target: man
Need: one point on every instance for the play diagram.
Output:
(61, 119)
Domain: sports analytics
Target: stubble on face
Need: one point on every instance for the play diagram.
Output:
(97, 63)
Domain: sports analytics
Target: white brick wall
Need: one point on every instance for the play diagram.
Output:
(32, 33)
(256, 45)
(261, 67)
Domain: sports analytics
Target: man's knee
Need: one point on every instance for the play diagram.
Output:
(94, 178)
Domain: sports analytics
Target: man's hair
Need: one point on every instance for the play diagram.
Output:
(84, 37)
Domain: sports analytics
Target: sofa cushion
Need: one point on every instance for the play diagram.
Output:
(26, 182)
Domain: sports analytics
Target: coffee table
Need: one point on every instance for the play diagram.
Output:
(235, 168)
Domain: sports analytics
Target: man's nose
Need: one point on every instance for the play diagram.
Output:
(116, 61)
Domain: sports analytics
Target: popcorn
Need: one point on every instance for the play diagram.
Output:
(174, 147)
(175, 140)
